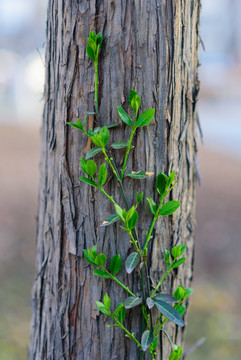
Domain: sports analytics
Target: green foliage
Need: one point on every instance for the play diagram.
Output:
(110, 269)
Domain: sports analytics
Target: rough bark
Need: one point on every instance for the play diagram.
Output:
(151, 46)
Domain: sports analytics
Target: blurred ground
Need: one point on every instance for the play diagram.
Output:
(215, 310)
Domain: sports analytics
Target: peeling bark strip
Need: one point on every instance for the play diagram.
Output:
(151, 46)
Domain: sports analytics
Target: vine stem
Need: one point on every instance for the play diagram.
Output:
(160, 282)
(127, 332)
(127, 151)
(117, 281)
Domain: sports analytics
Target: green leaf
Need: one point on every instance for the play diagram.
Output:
(132, 301)
(169, 208)
(101, 274)
(154, 344)
(104, 135)
(88, 166)
(106, 301)
(133, 220)
(90, 53)
(99, 39)
(131, 262)
(74, 125)
(176, 354)
(179, 293)
(167, 257)
(102, 308)
(92, 152)
(152, 205)
(112, 125)
(169, 312)
(166, 298)
(110, 220)
(176, 251)
(145, 118)
(146, 339)
(182, 247)
(100, 259)
(161, 183)
(92, 35)
(119, 145)
(134, 100)
(102, 174)
(171, 177)
(88, 257)
(92, 44)
(87, 181)
(177, 263)
(137, 174)
(94, 251)
(118, 210)
(115, 264)
(130, 213)
(124, 116)
(120, 312)
(181, 309)
(139, 198)
(188, 292)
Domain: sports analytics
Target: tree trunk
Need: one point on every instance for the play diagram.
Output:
(152, 47)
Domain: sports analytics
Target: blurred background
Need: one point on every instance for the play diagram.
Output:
(215, 311)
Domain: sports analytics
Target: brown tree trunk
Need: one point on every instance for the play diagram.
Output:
(151, 46)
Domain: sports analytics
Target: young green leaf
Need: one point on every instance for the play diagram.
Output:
(176, 252)
(179, 293)
(169, 312)
(176, 354)
(132, 301)
(139, 198)
(87, 181)
(131, 262)
(92, 152)
(167, 257)
(161, 183)
(92, 35)
(124, 116)
(119, 145)
(130, 213)
(146, 339)
(75, 125)
(115, 264)
(166, 298)
(106, 301)
(99, 39)
(177, 263)
(137, 174)
(102, 174)
(133, 220)
(90, 53)
(181, 309)
(88, 257)
(118, 210)
(182, 248)
(154, 344)
(88, 166)
(145, 118)
(169, 208)
(94, 251)
(188, 292)
(134, 100)
(152, 205)
(101, 274)
(92, 44)
(120, 312)
(102, 308)
(104, 135)
(100, 259)
(171, 177)
(110, 220)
